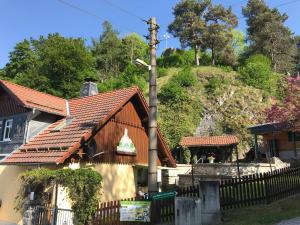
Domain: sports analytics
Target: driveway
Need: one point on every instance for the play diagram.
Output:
(295, 221)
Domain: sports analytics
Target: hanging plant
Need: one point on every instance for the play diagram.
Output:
(83, 188)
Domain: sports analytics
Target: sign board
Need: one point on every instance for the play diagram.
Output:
(163, 195)
(126, 145)
(135, 211)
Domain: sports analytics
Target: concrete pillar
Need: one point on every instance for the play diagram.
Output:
(209, 194)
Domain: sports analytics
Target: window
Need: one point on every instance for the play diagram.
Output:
(290, 136)
(7, 130)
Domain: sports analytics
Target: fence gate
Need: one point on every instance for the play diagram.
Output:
(40, 215)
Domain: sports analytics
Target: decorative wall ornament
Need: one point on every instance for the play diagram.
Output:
(126, 145)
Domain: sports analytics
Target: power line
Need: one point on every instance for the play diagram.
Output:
(124, 10)
(90, 13)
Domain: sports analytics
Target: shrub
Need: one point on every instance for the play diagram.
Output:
(214, 83)
(172, 92)
(185, 78)
(176, 58)
(257, 72)
(161, 72)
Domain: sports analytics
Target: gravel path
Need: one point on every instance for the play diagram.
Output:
(295, 221)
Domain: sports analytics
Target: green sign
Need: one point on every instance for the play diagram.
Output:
(163, 195)
(135, 211)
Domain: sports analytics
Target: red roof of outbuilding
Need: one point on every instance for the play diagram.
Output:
(87, 113)
(206, 141)
(30, 98)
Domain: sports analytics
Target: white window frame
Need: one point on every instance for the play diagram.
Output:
(7, 127)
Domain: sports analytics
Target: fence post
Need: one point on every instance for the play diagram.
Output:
(266, 177)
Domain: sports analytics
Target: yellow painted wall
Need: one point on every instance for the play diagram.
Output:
(118, 181)
(9, 187)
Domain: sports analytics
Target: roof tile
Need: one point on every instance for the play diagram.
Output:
(199, 141)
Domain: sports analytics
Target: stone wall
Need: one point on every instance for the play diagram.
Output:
(227, 170)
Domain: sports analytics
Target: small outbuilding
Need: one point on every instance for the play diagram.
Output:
(206, 149)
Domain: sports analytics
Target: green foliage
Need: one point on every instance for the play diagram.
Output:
(83, 187)
(177, 103)
(162, 72)
(132, 75)
(52, 64)
(238, 42)
(214, 83)
(202, 25)
(257, 72)
(268, 35)
(176, 58)
(175, 90)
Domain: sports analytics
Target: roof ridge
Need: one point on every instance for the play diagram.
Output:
(12, 83)
(108, 92)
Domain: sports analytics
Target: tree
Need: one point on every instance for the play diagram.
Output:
(189, 24)
(268, 35)
(297, 40)
(219, 24)
(108, 52)
(133, 47)
(21, 60)
(238, 42)
(53, 64)
(287, 112)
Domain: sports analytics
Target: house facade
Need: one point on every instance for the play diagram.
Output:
(107, 132)
(276, 141)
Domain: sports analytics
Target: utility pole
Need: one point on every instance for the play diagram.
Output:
(152, 154)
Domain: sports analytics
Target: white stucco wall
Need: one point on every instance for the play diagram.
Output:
(9, 187)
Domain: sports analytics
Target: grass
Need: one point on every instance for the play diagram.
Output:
(264, 215)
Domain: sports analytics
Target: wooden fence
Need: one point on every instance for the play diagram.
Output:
(162, 210)
(259, 188)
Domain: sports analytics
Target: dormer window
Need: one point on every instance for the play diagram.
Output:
(7, 130)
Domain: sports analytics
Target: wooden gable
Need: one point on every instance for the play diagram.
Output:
(8, 105)
(108, 138)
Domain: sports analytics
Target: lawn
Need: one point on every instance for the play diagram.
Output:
(265, 214)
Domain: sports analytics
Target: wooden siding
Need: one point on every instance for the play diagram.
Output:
(108, 138)
(9, 106)
(283, 143)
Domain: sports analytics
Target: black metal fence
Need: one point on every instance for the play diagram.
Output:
(51, 216)
(259, 188)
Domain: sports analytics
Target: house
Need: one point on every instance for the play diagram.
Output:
(276, 141)
(40, 130)
(201, 147)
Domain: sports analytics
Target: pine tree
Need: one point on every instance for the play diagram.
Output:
(189, 24)
(219, 24)
(268, 35)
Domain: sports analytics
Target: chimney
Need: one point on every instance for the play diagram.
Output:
(89, 88)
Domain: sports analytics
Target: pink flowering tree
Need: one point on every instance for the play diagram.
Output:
(287, 112)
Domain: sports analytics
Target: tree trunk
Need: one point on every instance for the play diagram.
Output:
(197, 57)
(212, 56)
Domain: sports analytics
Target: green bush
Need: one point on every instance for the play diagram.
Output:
(257, 72)
(162, 72)
(172, 92)
(185, 78)
(214, 83)
(176, 58)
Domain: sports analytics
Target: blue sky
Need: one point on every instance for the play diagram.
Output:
(20, 19)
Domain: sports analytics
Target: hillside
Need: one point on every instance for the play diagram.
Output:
(215, 102)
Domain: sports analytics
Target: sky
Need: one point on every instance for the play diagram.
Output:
(20, 19)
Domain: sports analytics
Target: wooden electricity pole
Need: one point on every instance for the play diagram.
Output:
(152, 154)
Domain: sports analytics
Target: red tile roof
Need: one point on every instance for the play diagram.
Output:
(34, 99)
(87, 113)
(207, 141)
